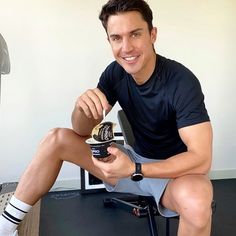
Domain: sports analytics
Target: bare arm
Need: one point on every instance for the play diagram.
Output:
(88, 111)
(197, 159)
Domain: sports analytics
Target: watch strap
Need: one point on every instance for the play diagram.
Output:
(138, 168)
(137, 175)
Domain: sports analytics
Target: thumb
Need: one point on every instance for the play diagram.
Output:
(113, 150)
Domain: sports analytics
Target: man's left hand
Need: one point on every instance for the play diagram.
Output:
(117, 165)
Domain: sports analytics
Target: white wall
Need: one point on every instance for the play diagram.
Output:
(202, 35)
(58, 49)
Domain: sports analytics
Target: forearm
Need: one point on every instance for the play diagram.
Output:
(81, 124)
(182, 164)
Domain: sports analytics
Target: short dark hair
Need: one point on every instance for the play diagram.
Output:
(114, 7)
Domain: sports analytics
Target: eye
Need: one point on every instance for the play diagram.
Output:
(136, 34)
(115, 38)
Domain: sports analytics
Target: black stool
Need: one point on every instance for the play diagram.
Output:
(140, 206)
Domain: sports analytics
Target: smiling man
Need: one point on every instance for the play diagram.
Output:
(164, 104)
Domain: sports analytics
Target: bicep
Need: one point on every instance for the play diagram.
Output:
(198, 139)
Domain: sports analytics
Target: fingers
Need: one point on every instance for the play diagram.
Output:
(117, 165)
(106, 159)
(103, 101)
(89, 103)
(92, 103)
(113, 150)
(101, 163)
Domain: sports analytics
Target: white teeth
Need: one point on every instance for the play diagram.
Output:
(129, 58)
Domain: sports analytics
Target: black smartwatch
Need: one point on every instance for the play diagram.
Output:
(137, 175)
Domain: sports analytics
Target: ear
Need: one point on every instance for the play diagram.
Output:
(154, 34)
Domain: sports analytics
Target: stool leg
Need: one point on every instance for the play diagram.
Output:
(152, 221)
(167, 226)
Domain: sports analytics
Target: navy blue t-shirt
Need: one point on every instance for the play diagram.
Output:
(171, 99)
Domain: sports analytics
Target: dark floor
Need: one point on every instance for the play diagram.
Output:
(74, 214)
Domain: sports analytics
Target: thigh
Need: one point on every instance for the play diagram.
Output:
(72, 148)
(188, 191)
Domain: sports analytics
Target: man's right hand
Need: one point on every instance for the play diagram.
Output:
(92, 103)
(88, 111)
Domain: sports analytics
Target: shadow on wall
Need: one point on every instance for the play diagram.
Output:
(4, 60)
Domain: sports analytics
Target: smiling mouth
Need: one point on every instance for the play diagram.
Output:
(130, 59)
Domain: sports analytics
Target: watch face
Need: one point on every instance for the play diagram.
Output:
(137, 177)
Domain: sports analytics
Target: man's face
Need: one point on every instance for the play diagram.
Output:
(132, 43)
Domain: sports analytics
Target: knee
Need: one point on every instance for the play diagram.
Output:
(194, 204)
(54, 140)
(198, 212)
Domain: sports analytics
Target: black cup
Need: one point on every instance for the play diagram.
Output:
(99, 149)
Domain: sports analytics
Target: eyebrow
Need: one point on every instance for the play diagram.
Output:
(131, 32)
(134, 31)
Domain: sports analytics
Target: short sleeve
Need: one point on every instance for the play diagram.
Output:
(189, 102)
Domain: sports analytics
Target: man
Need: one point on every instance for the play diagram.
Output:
(165, 106)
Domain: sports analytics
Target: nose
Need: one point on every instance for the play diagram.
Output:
(127, 45)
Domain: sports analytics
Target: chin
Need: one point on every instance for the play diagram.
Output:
(131, 69)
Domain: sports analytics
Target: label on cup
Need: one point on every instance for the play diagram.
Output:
(100, 151)
(103, 131)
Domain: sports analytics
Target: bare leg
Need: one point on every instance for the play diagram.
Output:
(191, 196)
(59, 145)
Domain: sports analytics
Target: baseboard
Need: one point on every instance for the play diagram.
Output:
(66, 185)
(223, 174)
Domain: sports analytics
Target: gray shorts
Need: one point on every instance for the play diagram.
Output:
(147, 187)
